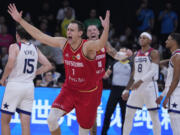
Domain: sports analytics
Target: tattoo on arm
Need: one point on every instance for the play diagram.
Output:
(110, 50)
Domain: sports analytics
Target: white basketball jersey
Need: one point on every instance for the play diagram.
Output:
(171, 69)
(142, 63)
(26, 64)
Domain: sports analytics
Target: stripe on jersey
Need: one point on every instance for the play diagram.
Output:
(176, 52)
(170, 64)
(35, 46)
(134, 107)
(139, 53)
(19, 45)
(155, 90)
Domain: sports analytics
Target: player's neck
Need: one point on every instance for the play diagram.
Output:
(145, 48)
(24, 41)
(174, 49)
(76, 44)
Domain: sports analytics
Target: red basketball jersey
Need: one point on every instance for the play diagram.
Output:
(101, 61)
(80, 71)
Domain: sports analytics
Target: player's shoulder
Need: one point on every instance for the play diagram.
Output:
(14, 46)
(154, 52)
(135, 53)
(60, 41)
(176, 57)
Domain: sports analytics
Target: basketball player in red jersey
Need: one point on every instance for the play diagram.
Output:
(80, 88)
(93, 33)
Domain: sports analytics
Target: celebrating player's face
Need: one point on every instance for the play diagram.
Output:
(169, 42)
(92, 32)
(73, 33)
(143, 41)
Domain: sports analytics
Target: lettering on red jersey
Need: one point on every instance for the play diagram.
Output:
(101, 61)
(80, 71)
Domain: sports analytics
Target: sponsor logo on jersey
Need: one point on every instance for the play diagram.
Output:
(103, 50)
(73, 63)
(147, 53)
(78, 56)
(140, 59)
(73, 57)
(98, 57)
(98, 52)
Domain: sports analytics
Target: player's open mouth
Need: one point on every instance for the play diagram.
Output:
(93, 36)
(69, 38)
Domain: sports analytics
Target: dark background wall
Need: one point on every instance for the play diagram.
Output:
(122, 11)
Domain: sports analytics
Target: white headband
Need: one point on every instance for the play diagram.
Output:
(147, 35)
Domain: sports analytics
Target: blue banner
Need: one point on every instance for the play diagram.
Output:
(44, 97)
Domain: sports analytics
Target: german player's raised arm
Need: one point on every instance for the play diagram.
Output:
(100, 43)
(110, 50)
(33, 31)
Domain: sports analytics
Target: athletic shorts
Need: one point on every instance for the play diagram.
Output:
(146, 94)
(100, 89)
(18, 97)
(85, 104)
(175, 124)
(174, 101)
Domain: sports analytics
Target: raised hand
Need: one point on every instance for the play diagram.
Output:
(129, 52)
(12, 10)
(105, 22)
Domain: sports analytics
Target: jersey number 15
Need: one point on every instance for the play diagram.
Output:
(28, 66)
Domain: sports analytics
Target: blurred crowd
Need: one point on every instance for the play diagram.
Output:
(56, 24)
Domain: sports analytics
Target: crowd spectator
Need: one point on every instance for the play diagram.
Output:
(67, 19)
(145, 18)
(47, 14)
(111, 32)
(127, 38)
(169, 21)
(92, 20)
(157, 45)
(169, 24)
(28, 17)
(38, 81)
(61, 12)
(2, 21)
(4, 56)
(47, 80)
(5, 38)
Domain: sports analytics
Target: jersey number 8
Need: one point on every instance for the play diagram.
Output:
(140, 68)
